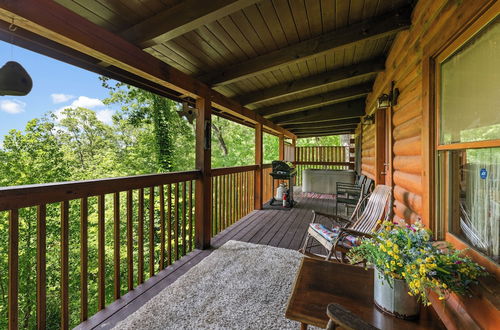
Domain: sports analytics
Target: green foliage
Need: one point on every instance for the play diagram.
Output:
(333, 140)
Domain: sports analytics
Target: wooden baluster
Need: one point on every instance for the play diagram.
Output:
(41, 267)
(13, 289)
(215, 193)
(140, 238)
(169, 224)
(190, 218)
(151, 231)
(130, 242)
(176, 222)
(226, 201)
(84, 257)
(240, 183)
(116, 247)
(184, 222)
(101, 292)
(231, 199)
(214, 200)
(65, 265)
(219, 201)
(162, 227)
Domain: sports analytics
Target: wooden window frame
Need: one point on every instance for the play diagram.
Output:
(432, 68)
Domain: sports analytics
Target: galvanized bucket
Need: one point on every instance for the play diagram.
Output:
(393, 298)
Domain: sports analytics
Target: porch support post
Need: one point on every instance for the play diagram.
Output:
(258, 189)
(380, 147)
(203, 197)
(281, 147)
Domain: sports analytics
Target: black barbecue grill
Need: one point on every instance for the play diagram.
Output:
(283, 171)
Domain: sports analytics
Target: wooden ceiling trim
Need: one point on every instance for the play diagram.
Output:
(304, 136)
(345, 110)
(324, 130)
(180, 19)
(334, 96)
(326, 78)
(59, 24)
(373, 28)
(325, 124)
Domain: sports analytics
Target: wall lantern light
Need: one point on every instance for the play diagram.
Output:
(385, 101)
(369, 120)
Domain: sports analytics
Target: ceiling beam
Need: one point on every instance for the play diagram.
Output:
(303, 136)
(324, 124)
(369, 29)
(323, 129)
(335, 96)
(350, 109)
(180, 19)
(53, 21)
(337, 75)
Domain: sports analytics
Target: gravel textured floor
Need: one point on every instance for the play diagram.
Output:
(238, 286)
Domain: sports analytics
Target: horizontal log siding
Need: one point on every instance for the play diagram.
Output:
(368, 151)
(432, 22)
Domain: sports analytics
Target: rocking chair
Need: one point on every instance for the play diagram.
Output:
(346, 233)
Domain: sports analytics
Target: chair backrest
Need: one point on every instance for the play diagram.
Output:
(378, 203)
(361, 180)
(368, 187)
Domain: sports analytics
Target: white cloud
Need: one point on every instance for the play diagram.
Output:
(80, 102)
(12, 106)
(60, 98)
(106, 116)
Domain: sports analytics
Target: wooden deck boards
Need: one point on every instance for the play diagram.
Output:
(279, 228)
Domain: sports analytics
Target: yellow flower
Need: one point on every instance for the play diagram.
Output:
(389, 243)
(400, 264)
(396, 256)
(393, 262)
(441, 298)
(413, 267)
(444, 285)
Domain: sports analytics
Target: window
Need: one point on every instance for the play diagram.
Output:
(468, 122)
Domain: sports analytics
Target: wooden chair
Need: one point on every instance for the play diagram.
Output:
(345, 233)
(352, 195)
(344, 188)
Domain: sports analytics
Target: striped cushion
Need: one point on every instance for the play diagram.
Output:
(331, 234)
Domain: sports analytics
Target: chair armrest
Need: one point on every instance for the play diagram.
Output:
(355, 232)
(340, 316)
(333, 217)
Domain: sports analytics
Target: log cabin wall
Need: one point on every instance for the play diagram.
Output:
(368, 151)
(434, 24)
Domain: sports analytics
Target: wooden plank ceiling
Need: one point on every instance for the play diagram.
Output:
(306, 65)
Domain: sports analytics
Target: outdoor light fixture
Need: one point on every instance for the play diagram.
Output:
(369, 120)
(384, 101)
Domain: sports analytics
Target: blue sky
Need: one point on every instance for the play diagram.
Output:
(56, 85)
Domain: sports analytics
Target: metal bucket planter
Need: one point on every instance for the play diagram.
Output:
(393, 298)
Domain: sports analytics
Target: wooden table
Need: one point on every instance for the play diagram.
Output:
(319, 283)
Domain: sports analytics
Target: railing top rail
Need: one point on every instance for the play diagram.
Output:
(31, 195)
(234, 169)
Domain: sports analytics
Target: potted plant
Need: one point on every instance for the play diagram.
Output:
(408, 265)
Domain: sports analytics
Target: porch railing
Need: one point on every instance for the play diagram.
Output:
(322, 157)
(232, 195)
(99, 239)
